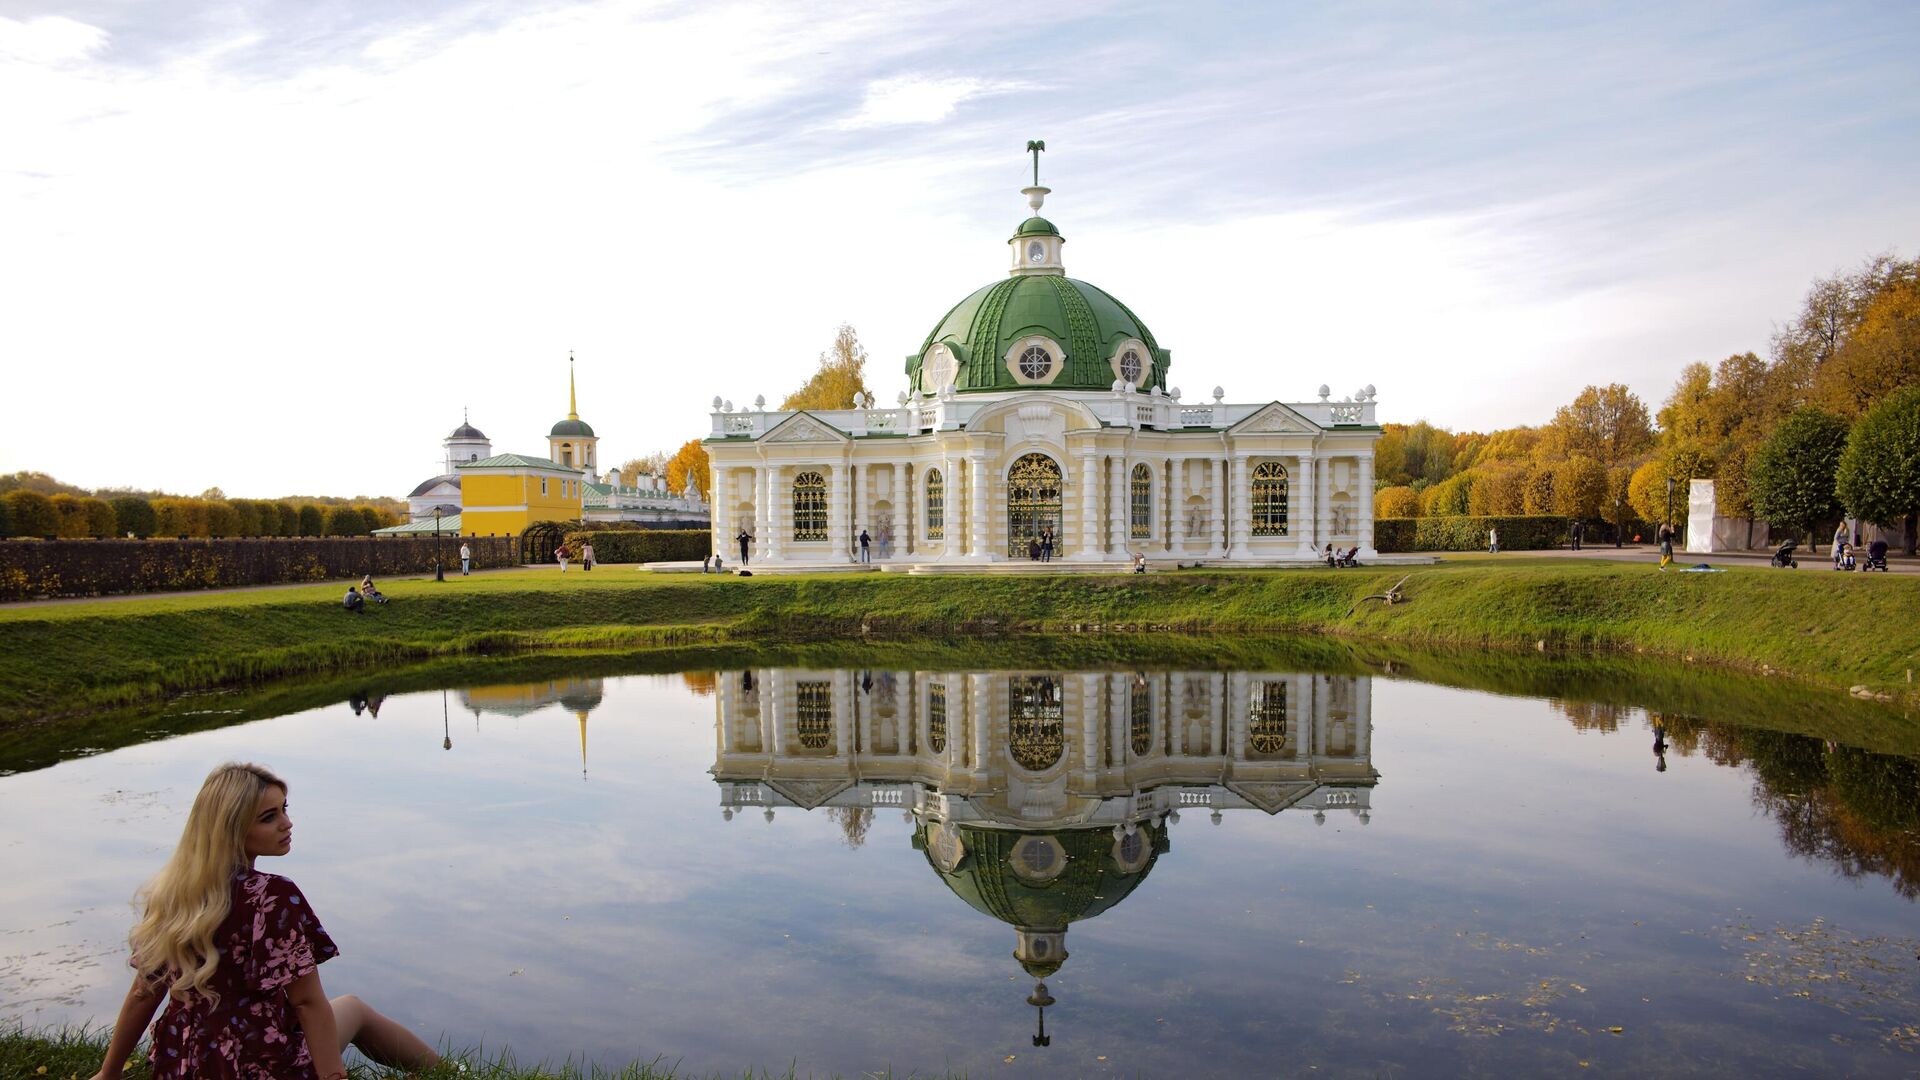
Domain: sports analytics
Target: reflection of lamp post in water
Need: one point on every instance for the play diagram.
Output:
(446, 740)
(1040, 999)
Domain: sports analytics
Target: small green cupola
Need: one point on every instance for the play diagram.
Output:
(1036, 243)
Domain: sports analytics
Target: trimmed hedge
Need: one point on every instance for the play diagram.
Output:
(644, 545)
(1528, 533)
(37, 569)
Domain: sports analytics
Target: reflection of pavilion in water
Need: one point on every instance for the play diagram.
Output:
(1043, 799)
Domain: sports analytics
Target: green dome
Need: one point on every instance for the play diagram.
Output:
(1036, 226)
(1091, 883)
(571, 429)
(1089, 325)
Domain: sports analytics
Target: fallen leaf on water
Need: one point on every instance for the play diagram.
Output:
(1616, 1030)
(1101, 1057)
(1009, 1059)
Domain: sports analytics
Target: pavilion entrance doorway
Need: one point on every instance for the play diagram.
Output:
(1033, 503)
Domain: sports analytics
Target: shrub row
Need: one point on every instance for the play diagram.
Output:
(29, 513)
(645, 545)
(1460, 533)
(31, 570)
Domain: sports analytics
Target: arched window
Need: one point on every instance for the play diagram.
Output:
(1035, 362)
(809, 506)
(1267, 718)
(1268, 500)
(1130, 368)
(1142, 520)
(936, 505)
(1140, 717)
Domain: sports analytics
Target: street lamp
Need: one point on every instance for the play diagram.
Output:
(439, 572)
(1669, 506)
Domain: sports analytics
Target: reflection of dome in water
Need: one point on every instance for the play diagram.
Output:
(576, 695)
(1039, 882)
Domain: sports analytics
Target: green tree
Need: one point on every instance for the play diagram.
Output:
(312, 522)
(1879, 474)
(1399, 501)
(1606, 423)
(222, 519)
(246, 517)
(37, 481)
(133, 514)
(1686, 417)
(1538, 498)
(6, 519)
(1791, 476)
(841, 375)
(1449, 497)
(32, 513)
(99, 517)
(269, 517)
(289, 519)
(72, 512)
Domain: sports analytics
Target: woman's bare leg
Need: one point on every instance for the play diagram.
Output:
(382, 1040)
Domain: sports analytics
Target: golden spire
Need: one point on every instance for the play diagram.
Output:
(582, 714)
(573, 400)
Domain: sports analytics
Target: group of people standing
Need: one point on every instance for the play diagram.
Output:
(565, 553)
(1040, 548)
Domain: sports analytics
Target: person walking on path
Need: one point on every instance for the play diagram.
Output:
(866, 551)
(744, 539)
(1579, 530)
(1493, 541)
(1840, 538)
(586, 555)
(234, 953)
(562, 554)
(466, 559)
(1666, 546)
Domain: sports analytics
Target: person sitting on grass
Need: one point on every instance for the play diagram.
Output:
(354, 602)
(234, 953)
(368, 590)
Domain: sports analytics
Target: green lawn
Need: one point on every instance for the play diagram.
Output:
(1831, 631)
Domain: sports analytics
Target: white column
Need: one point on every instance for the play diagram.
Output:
(843, 715)
(862, 508)
(1089, 508)
(1217, 700)
(1176, 507)
(1323, 501)
(1089, 729)
(1114, 718)
(1216, 510)
(956, 539)
(1117, 504)
(839, 539)
(1300, 518)
(979, 720)
(1362, 717)
(1242, 531)
(768, 542)
(978, 525)
(718, 507)
(902, 512)
(1363, 506)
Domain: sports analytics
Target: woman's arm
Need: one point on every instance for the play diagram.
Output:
(143, 998)
(316, 1020)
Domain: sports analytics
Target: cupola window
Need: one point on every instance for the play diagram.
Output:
(1130, 366)
(1035, 362)
(1036, 251)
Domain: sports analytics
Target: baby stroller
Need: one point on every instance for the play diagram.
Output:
(1351, 558)
(1876, 556)
(1784, 557)
(1844, 560)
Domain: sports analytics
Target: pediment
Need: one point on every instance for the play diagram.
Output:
(809, 794)
(1272, 796)
(802, 428)
(1277, 418)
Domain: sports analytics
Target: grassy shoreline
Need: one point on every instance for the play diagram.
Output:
(1828, 632)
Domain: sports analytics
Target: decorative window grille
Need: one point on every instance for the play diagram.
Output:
(1036, 730)
(1268, 500)
(1267, 718)
(937, 718)
(813, 713)
(1036, 362)
(1130, 366)
(1142, 519)
(1034, 495)
(809, 506)
(1140, 717)
(936, 505)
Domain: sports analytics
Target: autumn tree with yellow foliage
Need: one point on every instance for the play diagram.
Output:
(841, 375)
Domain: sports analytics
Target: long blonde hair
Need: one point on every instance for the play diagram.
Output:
(190, 896)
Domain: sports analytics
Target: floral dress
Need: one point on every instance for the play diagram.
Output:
(269, 938)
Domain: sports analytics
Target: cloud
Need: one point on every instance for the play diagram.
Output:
(49, 39)
(912, 99)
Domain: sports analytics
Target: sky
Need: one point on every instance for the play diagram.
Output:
(280, 246)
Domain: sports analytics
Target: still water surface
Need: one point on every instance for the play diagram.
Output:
(1246, 873)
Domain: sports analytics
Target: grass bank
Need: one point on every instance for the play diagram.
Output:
(1830, 631)
(74, 1055)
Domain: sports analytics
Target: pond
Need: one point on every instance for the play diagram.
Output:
(1032, 871)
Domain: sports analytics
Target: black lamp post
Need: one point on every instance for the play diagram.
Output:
(439, 572)
(1669, 506)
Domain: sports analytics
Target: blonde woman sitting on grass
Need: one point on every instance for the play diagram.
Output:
(235, 954)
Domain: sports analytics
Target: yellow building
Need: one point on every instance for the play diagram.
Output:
(505, 493)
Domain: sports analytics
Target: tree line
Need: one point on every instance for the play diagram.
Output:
(1828, 425)
(28, 513)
